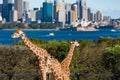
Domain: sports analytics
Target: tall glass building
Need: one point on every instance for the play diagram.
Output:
(7, 1)
(82, 10)
(47, 12)
(6, 10)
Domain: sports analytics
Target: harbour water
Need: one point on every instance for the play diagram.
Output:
(60, 35)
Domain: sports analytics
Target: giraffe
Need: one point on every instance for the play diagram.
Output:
(41, 53)
(66, 62)
(57, 70)
(46, 62)
(64, 66)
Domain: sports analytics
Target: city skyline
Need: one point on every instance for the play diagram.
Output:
(109, 7)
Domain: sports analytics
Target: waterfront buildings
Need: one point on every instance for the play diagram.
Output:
(47, 11)
(39, 14)
(92, 17)
(71, 15)
(99, 16)
(13, 15)
(48, 1)
(59, 12)
(5, 2)
(75, 9)
(19, 7)
(30, 16)
(68, 9)
(1, 5)
(6, 10)
(26, 6)
(0, 18)
(89, 14)
(82, 10)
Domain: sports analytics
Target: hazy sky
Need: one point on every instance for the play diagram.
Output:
(108, 7)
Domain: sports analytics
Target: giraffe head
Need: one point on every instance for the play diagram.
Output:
(75, 43)
(18, 33)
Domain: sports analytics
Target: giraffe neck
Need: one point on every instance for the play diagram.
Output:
(34, 48)
(57, 71)
(68, 58)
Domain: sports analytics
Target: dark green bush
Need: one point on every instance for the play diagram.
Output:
(91, 57)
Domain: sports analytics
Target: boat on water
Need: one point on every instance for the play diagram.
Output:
(51, 34)
(113, 30)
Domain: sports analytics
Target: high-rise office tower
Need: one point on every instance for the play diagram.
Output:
(92, 17)
(99, 16)
(6, 8)
(95, 17)
(56, 9)
(59, 8)
(47, 12)
(89, 14)
(13, 15)
(6, 2)
(47, 1)
(68, 9)
(0, 17)
(18, 7)
(82, 9)
(71, 16)
(39, 15)
(33, 15)
(1, 6)
(30, 16)
(107, 18)
(75, 8)
(26, 6)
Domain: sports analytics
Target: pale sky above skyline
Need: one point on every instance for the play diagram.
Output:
(108, 7)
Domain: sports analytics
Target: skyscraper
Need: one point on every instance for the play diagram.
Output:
(60, 11)
(26, 6)
(92, 17)
(39, 15)
(71, 16)
(6, 10)
(99, 16)
(6, 2)
(30, 16)
(56, 9)
(1, 6)
(18, 7)
(68, 9)
(47, 1)
(89, 14)
(13, 15)
(82, 9)
(47, 12)
(75, 8)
